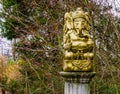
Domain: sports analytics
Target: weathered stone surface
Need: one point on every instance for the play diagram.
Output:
(77, 82)
(76, 88)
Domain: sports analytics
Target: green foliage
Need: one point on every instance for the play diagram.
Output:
(9, 30)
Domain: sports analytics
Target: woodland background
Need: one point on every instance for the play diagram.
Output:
(35, 29)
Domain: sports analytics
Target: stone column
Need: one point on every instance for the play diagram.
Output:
(77, 82)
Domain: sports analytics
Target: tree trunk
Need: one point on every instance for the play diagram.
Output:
(3, 91)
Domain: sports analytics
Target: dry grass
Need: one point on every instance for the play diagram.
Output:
(3, 67)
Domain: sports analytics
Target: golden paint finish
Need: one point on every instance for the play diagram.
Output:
(78, 45)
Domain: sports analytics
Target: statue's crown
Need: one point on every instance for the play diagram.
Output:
(79, 13)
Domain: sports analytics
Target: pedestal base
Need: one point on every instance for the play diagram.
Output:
(77, 82)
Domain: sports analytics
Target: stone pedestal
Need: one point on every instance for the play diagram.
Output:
(77, 82)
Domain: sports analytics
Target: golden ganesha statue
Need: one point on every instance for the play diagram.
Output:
(78, 46)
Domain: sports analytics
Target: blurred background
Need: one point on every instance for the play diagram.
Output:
(31, 43)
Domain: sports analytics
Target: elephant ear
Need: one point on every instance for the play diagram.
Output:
(87, 17)
(68, 20)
